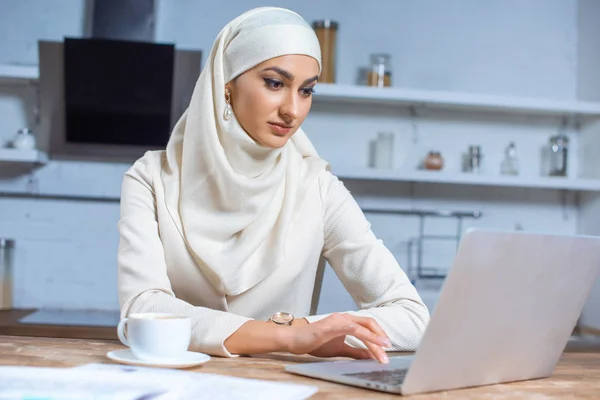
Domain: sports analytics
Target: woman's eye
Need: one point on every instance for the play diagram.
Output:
(272, 83)
(307, 91)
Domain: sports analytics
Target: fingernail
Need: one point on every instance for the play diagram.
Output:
(385, 358)
(384, 342)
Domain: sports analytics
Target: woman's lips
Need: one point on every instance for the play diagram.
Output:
(280, 129)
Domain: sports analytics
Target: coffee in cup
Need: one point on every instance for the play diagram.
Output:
(156, 336)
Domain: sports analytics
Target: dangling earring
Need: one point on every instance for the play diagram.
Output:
(227, 113)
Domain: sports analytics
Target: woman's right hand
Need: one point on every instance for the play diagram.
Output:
(325, 338)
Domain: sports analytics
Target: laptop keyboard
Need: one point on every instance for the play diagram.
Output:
(390, 377)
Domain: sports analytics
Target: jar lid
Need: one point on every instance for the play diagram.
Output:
(325, 23)
(6, 243)
(380, 57)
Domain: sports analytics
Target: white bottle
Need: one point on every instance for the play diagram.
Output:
(24, 140)
(384, 151)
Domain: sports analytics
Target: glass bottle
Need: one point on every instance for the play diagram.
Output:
(510, 164)
(559, 146)
(473, 159)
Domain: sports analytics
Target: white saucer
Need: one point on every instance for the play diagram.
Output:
(189, 359)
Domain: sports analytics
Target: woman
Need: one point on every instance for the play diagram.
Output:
(228, 224)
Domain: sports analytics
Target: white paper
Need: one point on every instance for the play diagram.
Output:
(24, 383)
(199, 385)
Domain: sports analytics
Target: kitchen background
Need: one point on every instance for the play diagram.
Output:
(463, 73)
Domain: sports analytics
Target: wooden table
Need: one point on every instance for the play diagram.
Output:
(576, 377)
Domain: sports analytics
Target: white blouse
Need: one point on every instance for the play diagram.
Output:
(157, 273)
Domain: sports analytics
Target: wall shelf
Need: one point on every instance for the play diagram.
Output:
(339, 93)
(16, 156)
(457, 178)
(18, 73)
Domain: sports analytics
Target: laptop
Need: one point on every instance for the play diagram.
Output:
(505, 313)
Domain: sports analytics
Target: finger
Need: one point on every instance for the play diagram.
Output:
(337, 325)
(373, 343)
(378, 352)
(373, 326)
(368, 334)
(357, 354)
(369, 323)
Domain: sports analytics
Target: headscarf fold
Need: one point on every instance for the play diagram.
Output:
(233, 199)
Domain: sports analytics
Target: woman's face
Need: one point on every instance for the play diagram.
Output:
(271, 100)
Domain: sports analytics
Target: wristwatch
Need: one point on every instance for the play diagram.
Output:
(282, 318)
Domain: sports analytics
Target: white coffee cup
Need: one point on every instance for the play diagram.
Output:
(156, 336)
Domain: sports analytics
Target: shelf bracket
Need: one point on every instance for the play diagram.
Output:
(564, 203)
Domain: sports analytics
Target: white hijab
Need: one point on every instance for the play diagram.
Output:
(233, 199)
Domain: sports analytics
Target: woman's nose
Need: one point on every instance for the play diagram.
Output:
(289, 107)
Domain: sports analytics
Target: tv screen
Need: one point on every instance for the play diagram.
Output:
(118, 92)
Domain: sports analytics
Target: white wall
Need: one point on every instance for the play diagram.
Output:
(497, 47)
(588, 66)
(24, 22)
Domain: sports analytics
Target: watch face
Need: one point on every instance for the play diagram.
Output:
(282, 318)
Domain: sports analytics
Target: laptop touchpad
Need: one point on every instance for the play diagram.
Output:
(343, 367)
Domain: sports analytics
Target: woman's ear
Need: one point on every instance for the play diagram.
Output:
(230, 85)
(228, 91)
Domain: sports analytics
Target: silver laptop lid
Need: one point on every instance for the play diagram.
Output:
(506, 310)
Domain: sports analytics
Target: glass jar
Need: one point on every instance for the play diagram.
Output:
(380, 73)
(434, 161)
(6, 273)
(326, 31)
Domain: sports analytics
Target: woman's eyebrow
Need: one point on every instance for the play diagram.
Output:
(281, 71)
(288, 75)
(309, 80)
